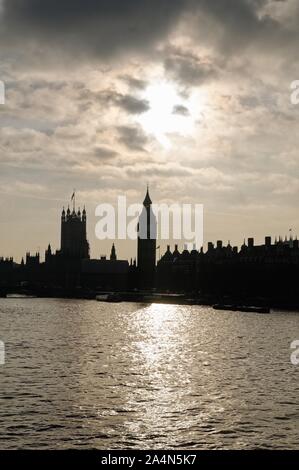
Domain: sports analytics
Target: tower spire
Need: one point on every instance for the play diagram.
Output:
(113, 253)
(147, 200)
(73, 198)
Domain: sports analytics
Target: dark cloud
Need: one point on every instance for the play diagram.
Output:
(101, 27)
(133, 105)
(128, 103)
(104, 153)
(37, 84)
(233, 26)
(135, 83)
(132, 137)
(187, 68)
(181, 110)
(106, 27)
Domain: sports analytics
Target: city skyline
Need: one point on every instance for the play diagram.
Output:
(262, 274)
(180, 244)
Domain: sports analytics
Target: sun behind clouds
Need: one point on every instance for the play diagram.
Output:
(169, 113)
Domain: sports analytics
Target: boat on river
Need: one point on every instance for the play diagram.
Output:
(242, 308)
(111, 297)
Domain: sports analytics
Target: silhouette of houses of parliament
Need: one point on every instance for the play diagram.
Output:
(269, 270)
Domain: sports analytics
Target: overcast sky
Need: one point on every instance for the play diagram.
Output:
(190, 96)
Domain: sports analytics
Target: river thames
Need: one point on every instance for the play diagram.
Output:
(91, 375)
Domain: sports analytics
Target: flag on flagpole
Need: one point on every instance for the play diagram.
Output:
(73, 196)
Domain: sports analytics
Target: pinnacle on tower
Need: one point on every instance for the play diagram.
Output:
(147, 200)
(113, 253)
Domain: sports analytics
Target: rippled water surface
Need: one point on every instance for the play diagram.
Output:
(84, 374)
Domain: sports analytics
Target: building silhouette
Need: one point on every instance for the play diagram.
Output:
(268, 271)
(73, 233)
(146, 245)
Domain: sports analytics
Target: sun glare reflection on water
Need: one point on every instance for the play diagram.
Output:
(165, 377)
